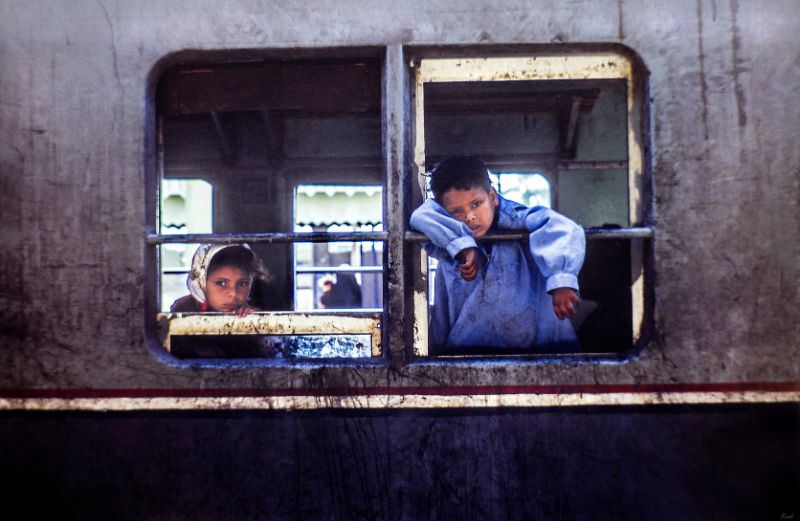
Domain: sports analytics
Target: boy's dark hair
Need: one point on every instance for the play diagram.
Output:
(238, 257)
(460, 173)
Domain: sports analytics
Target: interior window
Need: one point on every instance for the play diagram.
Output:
(556, 131)
(338, 275)
(292, 149)
(184, 209)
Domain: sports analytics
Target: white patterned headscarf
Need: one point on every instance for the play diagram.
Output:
(196, 280)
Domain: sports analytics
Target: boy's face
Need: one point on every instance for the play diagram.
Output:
(227, 289)
(473, 207)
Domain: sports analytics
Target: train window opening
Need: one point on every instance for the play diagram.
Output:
(255, 131)
(528, 188)
(576, 121)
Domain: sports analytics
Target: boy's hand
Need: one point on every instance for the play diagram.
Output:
(565, 302)
(468, 260)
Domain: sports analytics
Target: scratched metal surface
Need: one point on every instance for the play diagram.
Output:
(724, 78)
(687, 463)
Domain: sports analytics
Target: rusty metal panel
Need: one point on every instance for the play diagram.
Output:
(270, 324)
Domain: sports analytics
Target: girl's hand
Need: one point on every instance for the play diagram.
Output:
(565, 302)
(468, 263)
(245, 310)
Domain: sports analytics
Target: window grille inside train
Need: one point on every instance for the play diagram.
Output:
(338, 275)
(563, 131)
(284, 156)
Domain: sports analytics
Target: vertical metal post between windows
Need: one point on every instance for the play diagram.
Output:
(394, 143)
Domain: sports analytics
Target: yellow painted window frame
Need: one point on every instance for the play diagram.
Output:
(538, 66)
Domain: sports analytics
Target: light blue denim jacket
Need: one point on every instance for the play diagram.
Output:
(507, 304)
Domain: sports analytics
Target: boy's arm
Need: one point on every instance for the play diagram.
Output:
(557, 243)
(448, 236)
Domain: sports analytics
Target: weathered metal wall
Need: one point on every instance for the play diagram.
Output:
(725, 463)
(724, 76)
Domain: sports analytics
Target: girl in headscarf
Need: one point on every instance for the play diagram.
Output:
(220, 280)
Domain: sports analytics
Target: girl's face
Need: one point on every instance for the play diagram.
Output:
(227, 289)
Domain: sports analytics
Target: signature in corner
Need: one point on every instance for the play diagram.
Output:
(784, 515)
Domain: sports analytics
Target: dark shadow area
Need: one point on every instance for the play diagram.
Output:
(605, 280)
(220, 346)
(734, 462)
(290, 347)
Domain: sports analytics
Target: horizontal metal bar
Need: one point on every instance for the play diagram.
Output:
(302, 269)
(341, 311)
(591, 165)
(342, 269)
(643, 232)
(229, 238)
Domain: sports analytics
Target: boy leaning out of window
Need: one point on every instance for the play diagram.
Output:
(497, 294)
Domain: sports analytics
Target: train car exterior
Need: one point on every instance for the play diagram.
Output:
(667, 130)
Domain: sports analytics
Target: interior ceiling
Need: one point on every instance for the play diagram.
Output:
(328, 88)
(523, 97)
(277, 90)
(336, 88)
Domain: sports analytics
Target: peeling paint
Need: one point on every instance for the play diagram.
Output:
(171, 324)
(408, 400)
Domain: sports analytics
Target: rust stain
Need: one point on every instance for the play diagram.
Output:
(736, 45)
(268, 324)
(703, 80)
